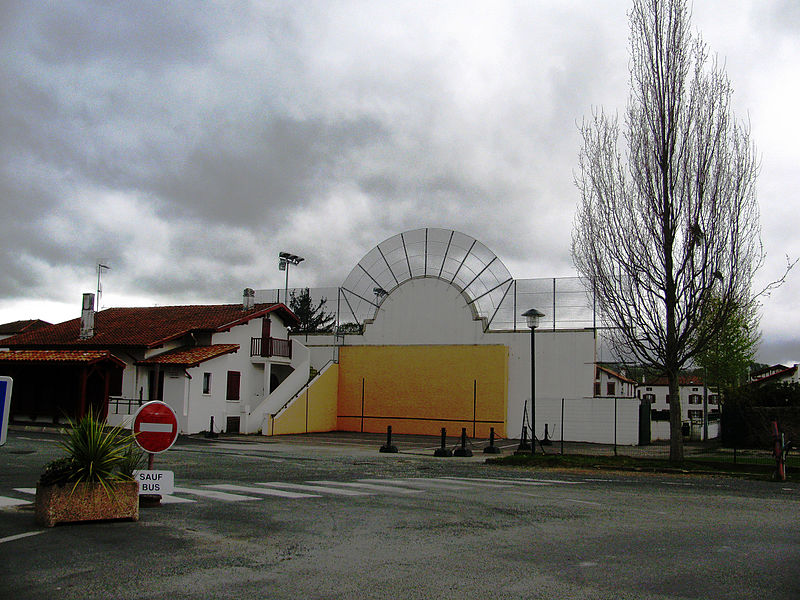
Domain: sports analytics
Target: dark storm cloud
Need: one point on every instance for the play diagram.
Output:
(188, 143)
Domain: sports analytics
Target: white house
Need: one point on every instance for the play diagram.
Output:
(776, 374)
(224, 361)
(610, 384)
(692, 390)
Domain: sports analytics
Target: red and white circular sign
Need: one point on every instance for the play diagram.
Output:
(155, 427)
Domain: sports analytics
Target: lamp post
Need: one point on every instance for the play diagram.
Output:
(532, 317)
(284, 260)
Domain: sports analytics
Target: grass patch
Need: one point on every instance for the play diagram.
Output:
(717, 465)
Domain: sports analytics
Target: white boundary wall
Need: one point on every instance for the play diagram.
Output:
(431, 311)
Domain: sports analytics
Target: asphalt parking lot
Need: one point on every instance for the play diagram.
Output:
(328, 516)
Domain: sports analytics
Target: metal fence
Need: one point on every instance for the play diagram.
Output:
(565, 301)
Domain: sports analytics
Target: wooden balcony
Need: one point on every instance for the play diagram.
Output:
(269, 347)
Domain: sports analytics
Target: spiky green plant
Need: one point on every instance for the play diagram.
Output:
(131, 460)
(97, 453)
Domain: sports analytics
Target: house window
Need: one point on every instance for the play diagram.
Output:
(649, 397)
(234, 378)
(667, 398)
(610, 388)
(695, 414)
(596, 388)
(695, 399)
(206, 383)
(712, 399)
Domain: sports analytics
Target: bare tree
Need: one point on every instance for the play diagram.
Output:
(668, 229)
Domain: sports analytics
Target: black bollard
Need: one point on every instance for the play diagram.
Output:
(443, 450)
(388, 446)
(546, 441)
(524, 447)
(462, 450)
(211, 433)
(491, 448)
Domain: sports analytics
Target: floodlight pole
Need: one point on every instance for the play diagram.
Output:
(284, 260)
(100, 267)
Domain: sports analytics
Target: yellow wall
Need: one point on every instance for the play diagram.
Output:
(313, 410)
(420, 389)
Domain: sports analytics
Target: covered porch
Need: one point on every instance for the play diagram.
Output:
(54, 386)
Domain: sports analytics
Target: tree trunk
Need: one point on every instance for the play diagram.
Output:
(675, 421)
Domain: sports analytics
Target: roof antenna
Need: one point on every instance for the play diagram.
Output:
(100, 267)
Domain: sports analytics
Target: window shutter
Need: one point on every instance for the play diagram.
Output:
(233, 385)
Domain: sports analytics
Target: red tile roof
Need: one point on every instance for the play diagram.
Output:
(190, 356)
(777, 372)
(58, 356)
(686, 380)
(147, 327)
(615, 374)
(21, 326)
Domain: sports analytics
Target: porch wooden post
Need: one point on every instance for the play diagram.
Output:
(82, 399)
(106, 387)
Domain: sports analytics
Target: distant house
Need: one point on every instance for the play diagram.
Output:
(691, 390)
(207, 362)
(775, 374)
(15, 327)
(611, 384)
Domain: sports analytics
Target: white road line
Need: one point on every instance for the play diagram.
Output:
(392, 489)
(583, 502)
(439, 484)
(468, 481)
(313, 488)
(215, 495)
(31, 491)
(262, 491)
(560, 481)
(6, 501)
(19, 536)
(504, 482)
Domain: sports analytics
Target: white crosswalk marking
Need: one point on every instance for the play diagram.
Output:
(234, 492)
(265, 491)
(371, 486)
(6, 501)
(314, 488)
(169, 499)
(216, 495)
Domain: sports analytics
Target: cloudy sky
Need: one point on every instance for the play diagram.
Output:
(186, 143)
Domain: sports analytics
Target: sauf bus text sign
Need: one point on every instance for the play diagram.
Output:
(155, 482)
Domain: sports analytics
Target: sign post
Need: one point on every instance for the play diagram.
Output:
(155, 427)
(5, 406)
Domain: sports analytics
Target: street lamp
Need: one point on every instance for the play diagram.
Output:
(284, 260)
(532, 317)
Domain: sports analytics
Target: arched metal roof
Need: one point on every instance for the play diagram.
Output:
(451, 256)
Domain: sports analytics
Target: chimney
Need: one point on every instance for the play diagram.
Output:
(87, 317)
(248, 298)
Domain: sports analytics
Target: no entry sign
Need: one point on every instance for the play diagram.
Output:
(155, 426)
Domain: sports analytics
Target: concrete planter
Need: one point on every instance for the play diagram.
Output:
(89, 502)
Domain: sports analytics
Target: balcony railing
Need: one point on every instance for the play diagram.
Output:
(269, 347)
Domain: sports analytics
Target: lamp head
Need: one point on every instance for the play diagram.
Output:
(532, 317)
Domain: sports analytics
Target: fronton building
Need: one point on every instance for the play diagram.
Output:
(428, 335)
